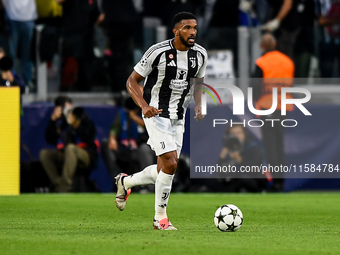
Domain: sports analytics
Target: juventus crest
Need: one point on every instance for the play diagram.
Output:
(193, 62)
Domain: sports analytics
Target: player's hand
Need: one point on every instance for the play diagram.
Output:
(58, 111)
(198, 111)
(150, 111)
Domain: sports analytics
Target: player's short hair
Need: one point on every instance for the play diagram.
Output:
(182, 16)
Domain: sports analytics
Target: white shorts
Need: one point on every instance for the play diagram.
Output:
(165, 134)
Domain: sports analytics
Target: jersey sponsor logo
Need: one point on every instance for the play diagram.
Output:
(172, 63)
(178, 84)
(162, 145)
(193, 62)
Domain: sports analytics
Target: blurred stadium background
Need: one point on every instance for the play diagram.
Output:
(79, 52)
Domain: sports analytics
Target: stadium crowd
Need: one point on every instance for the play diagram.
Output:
(94, 44)
(100, 40)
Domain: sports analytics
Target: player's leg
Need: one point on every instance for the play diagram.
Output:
(145, 177)
(124, 183)
(161, 141)
(168, 165)
(163, 186)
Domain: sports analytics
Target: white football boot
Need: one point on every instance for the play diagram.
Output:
(122, 194)
(163, 224)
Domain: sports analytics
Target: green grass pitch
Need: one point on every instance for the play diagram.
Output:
(294, 223)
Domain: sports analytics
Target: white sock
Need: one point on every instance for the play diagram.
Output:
(162, 193)
(145, 177)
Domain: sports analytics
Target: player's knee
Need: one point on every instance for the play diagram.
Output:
(170, 165)
(173, 167)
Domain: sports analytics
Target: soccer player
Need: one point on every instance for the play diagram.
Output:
(167, 68)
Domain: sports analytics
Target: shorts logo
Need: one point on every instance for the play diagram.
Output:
(193, 62)
(162, 145)
(171, 56)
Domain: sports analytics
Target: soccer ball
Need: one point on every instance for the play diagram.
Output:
(228, 218)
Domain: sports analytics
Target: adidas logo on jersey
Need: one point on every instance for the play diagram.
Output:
(172, 63)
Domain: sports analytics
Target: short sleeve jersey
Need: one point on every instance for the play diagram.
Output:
(167, 73)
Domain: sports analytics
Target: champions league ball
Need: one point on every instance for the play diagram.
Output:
(228, 218)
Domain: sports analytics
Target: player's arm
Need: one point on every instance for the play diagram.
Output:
(198, 93)
(199, 86)
(136, 94)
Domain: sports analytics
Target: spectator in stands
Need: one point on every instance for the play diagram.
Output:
(3, 35)
(2, 52)
(277, 70)
(239, 149)
(20, 21)
(58, 123)
(8, 76)
(50, 17)
(120, 19)
(77, 31)
(262, 11)
(304, 46)
(55, 132)
(75, 141)
(125, 143)
(286, 23)
(329, 47)
(221, 19)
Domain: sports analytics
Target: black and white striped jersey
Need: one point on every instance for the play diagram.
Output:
(167, 73)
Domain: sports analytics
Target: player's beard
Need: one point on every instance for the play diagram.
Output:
(185, 42)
